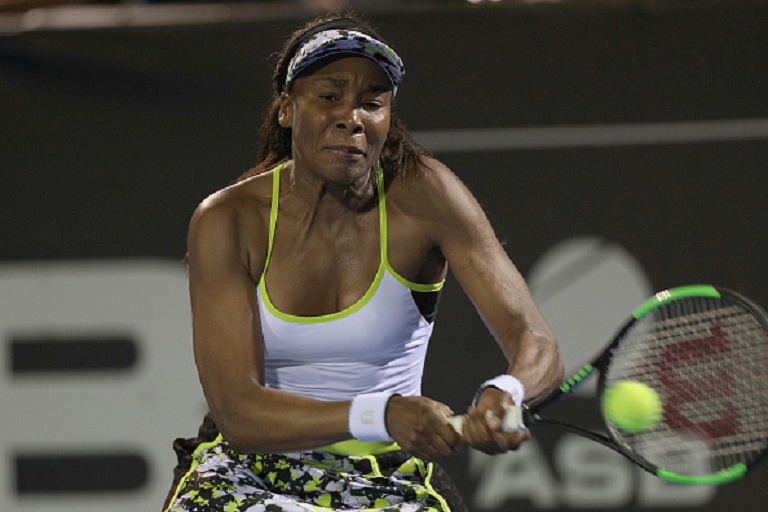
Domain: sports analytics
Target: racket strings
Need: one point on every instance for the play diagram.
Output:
(707, 359)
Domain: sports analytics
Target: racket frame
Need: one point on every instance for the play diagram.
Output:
(600, 364)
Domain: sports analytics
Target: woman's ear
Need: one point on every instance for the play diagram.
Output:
(285, 111)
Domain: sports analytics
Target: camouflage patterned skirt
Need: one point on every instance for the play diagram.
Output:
(221, 480)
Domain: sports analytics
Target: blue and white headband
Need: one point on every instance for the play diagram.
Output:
(335, 42)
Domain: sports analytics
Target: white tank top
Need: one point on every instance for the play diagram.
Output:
(377, 344)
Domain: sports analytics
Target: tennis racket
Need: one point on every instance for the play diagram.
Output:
(704, 351)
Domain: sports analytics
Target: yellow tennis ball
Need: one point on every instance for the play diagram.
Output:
(632, 405)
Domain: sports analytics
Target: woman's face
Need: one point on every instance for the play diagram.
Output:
(339, 117)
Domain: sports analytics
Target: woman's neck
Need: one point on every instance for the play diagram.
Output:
(331, 200)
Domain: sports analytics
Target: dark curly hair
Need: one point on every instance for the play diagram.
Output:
(400, 154)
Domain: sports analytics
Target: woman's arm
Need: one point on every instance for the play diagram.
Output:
(228, 346)
(481, 265)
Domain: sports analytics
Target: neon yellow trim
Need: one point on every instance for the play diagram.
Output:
(353, 447)
(432, 491)
(263, 287)
(193, 467)
(417, 287)
(374, 465)
(322, 318)
(383, 265)
(384, 243)
(273, 214)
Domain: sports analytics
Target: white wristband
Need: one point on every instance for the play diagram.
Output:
(506, 383)
(368, 417)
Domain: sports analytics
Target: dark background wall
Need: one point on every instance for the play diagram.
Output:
(111, 137)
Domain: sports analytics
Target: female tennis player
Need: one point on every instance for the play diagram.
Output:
(314, 283)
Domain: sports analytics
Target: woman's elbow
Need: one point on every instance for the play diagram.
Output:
(239, 434)
(239, 427)
(552, 364)
(556, 367)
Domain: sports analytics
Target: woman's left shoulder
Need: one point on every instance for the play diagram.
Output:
(430, 178)
(436, 199)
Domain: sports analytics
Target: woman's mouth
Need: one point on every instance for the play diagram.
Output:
(348, 152)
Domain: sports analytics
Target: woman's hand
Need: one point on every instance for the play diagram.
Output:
(482, 428)
(421, 427)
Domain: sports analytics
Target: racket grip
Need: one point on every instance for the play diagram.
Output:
(512, 421)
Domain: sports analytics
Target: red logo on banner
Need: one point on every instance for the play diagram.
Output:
(685, 383)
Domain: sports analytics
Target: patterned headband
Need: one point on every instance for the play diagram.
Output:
(346, 42)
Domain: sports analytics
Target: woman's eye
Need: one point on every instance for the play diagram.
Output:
(328, 97)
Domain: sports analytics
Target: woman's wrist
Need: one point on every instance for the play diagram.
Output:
(368, 416)
(507, 383)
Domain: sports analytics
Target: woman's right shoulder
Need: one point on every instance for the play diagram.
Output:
(240, 208)
(242, 198)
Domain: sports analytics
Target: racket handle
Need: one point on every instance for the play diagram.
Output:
(511, 422)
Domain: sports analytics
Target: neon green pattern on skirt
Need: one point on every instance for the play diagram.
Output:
(222, 480)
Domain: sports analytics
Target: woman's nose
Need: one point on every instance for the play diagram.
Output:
(351, 119)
